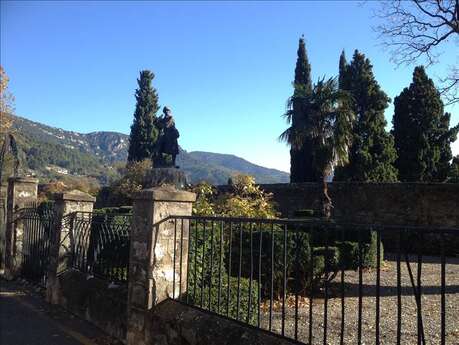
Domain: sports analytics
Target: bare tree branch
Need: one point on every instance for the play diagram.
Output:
(416, 29)
(450, 86)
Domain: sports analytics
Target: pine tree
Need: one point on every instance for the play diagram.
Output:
(144, 132)
(421, 131)
(300, 154)
(372, 153)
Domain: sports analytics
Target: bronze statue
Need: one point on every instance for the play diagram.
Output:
(167, 145)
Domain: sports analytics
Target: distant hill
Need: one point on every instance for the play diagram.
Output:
(218, 167)
(48, 151)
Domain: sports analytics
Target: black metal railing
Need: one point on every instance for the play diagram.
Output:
(37, 224)
(320, 282)
(100, 244)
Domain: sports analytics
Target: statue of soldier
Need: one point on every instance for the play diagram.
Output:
(167, 142)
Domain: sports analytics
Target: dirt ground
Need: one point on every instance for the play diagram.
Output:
(430, 305)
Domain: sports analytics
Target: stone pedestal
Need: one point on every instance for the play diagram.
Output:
(22, 192)
(151, 264)
(60, 251)
(157, 177)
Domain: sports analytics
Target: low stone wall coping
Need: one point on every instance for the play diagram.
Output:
(74, 195)
(165, 193)
(23, 180)
(173, 323)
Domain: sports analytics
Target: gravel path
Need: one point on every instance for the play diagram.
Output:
(431, 301)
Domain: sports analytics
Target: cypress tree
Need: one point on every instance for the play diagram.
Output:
(453, 176)
(300, 154)
(144, 132)
(445, 136)
(372, 153)
(342, 70)
(421, 131)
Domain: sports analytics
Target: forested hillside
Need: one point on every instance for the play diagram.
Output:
(52, 152)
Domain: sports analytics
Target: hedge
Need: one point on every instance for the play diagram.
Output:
(298, 276)
(340, 254)
(248, 296)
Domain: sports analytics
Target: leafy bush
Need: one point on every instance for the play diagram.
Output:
(121, 191)
(203, 205)
(259, 253)
(348, 254)
(247, 293)
(370, 251)
(245, 200)
(47, 191)
(269, 242)
(340, 254)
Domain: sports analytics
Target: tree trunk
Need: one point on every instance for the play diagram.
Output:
(326, 200)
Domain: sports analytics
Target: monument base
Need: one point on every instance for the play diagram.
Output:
(165, 176)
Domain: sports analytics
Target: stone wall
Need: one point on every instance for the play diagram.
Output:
(434, 204)
(172, 323)
(3, 190)
(22, 191)
(95, 300)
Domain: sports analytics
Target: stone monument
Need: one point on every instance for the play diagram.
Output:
(165, 171)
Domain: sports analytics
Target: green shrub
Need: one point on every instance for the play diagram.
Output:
(246, 199)
(370, 251)
(298, 259)
(350, 246)
(198, 294)
(340, 254)
(348, 254)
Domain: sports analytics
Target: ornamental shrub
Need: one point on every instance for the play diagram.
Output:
(218, 296)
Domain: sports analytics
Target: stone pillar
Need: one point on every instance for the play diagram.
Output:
(22, 191)
(151, 264)
(60, 251)
(3, 190)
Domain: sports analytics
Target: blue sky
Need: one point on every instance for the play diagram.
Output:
(225, 69)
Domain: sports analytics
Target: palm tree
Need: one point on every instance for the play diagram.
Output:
(328, 126)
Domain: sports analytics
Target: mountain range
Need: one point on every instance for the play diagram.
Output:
(49, 152)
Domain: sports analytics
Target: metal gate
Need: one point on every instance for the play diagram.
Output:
(37, 224)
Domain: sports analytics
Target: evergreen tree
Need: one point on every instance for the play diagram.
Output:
(144, 132)
(342, 70)
(445, 137)
(372, 153)
(421, 131)
(300, 155)
(453, 176)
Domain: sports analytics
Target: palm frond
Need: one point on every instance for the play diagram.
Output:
(286, 136)
(288, 115)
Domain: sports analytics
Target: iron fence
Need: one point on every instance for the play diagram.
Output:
(320, 282)
(100, 244)
(37, 222)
